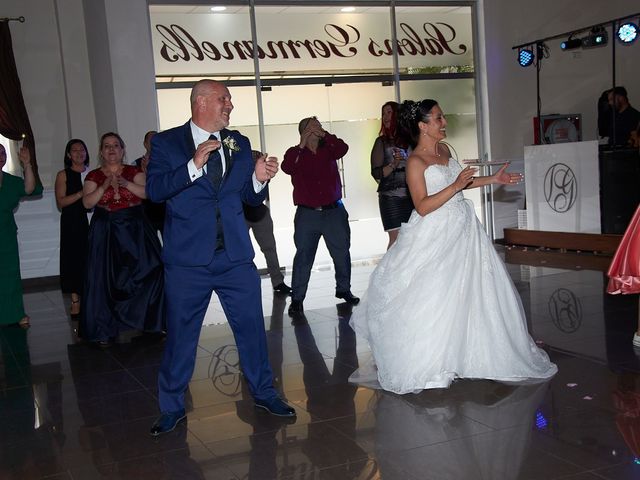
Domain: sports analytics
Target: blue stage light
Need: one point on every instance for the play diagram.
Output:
(525, 57)
(571, 43)
(627, 33)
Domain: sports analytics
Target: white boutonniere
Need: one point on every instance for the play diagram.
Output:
(231, 144)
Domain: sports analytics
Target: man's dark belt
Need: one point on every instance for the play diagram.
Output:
(323, 207)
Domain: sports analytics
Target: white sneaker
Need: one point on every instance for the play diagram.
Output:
(636, 340)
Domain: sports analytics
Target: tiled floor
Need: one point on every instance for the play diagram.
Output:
(70, 411)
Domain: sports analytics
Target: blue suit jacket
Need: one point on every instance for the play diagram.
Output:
(189, 236)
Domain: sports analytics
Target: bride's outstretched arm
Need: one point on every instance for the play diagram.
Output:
(501, 177)
(423, 202)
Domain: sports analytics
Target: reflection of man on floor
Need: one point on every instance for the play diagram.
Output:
(267, 429)
(330, 395)
(259, 221)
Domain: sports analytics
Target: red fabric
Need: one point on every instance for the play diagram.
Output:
(624, 271)
(315, 176)
(628, 418)
(14, 119)
(108, 200)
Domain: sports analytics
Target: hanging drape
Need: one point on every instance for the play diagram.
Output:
(14, 119)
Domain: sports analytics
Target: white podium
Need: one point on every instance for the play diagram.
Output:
(562, 187)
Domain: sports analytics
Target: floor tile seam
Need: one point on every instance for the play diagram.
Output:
(409, 476)
(572, 475)
(567, 444)
(311, 350)
(81, 376)
(492, 428)
(144, 387)
(102, 395)
(122, 421)
(55, 475)
(599, 469)
(567, 461)
(336, 429)
(575, 354)
(314, 321)
(213, 353)
(440, 442)
(280, 447)
(128, 459)
(291, 342)
(589, 409)
(370, 458)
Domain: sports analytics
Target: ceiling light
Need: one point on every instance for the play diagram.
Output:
(348, 9)
(218, 9)
(627, 33)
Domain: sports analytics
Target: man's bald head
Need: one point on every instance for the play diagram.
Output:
(210, 105)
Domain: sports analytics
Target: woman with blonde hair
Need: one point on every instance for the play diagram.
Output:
(123, 288)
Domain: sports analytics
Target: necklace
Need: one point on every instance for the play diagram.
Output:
(426, 149)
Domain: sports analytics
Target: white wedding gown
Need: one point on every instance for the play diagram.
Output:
(441, 305)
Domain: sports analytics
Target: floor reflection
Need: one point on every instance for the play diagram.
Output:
(328, 390)
(410, 430)
(68, 411)
(31, 420)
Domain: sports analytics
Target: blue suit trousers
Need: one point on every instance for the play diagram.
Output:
(187, 294)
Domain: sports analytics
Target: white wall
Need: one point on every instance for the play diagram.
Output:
(82, 73)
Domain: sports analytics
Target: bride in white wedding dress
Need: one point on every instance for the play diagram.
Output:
(440, 303)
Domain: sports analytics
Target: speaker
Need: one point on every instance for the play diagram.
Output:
(619, 188)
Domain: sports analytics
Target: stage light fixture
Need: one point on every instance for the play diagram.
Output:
(597, 38)
(525, 57)
(627, 33)
(571, 43)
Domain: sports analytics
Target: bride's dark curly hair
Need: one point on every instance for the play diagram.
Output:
(411, 113)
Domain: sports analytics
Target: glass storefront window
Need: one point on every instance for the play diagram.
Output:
(317, 60)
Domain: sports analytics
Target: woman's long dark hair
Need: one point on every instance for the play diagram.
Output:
(67, 152)
(411, 113)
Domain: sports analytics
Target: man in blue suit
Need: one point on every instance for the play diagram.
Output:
(204, 173)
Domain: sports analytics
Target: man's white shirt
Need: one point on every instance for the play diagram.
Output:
(200, 136)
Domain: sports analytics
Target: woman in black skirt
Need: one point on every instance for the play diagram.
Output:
(388, 161)
(74, 225)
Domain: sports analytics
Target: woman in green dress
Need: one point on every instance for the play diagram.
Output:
(12, 189)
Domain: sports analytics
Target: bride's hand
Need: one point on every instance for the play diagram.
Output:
(464, 178)
(504, 178)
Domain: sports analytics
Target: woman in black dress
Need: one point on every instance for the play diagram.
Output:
(74, 226)
(388, 161)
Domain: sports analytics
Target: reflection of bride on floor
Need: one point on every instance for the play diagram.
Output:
(482, 430)
(440, 303)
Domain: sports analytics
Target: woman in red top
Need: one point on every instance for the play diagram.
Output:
(124, 281)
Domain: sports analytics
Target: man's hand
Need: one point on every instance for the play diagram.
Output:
(201, 157)
(304, 137)
(266, 168)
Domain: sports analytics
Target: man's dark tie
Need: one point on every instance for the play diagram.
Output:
(214, 165)
(214, 172)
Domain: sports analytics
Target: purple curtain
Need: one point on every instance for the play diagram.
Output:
(14, 120)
